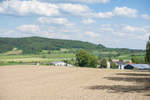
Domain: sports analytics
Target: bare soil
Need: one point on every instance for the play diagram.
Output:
(24, 82)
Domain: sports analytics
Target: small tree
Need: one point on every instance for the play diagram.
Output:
(104, 63)
(86, 59)
(147, 57)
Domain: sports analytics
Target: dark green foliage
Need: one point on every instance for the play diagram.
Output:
(93, 61)
(113, 65)
(69, 62)
(104, 63)
(121, 60)
(86, 59)
(110, 60)
(138, 59)
(37, 44)
(147, 57)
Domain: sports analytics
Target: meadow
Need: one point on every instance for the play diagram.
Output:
(15, 56)
(34, 58)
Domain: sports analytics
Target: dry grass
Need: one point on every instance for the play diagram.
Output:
(63, 83)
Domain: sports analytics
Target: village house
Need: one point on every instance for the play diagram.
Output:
(121, 65)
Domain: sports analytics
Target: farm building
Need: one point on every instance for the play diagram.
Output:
(121, 65)
(60, 63)
(137, 66)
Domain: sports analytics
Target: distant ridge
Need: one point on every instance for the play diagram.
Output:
(36, 44)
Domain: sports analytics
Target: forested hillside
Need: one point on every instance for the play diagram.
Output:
(36, 44)
(33, 45)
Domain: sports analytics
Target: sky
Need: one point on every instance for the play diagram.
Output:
(113, 23)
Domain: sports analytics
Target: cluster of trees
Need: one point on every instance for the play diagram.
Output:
(103, 63)
(86, 59)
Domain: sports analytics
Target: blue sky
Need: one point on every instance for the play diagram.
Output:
(113, 23)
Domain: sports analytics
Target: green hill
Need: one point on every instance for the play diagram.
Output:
(36, 44)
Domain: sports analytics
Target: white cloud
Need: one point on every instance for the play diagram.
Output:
(28, 7)
(104, 15)
(19, 7)
(125, 11)
(122, 31)
(133, 29)
(29, 28)
(48, 20)
(59, 21)
(108, 29)
(91, 34)
(75, 9)
(48, 9)
(85, 1)
(145, 16)
(88, 21)
(1, 9)
(118, 11)
(129, 28)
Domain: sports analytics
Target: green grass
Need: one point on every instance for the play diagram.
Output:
(12, 63)
(29, 58)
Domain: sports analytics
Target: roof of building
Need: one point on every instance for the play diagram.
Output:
(140, 66)
(57, 62)
(120, 63)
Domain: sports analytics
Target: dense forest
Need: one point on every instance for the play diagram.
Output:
(36, 44)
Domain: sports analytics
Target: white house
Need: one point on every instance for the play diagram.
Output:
(108, 64)
(60, 63)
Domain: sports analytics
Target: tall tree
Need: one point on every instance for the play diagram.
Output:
(148, 51)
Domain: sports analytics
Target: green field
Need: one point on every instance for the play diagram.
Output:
(59, 55)
(33, 58)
